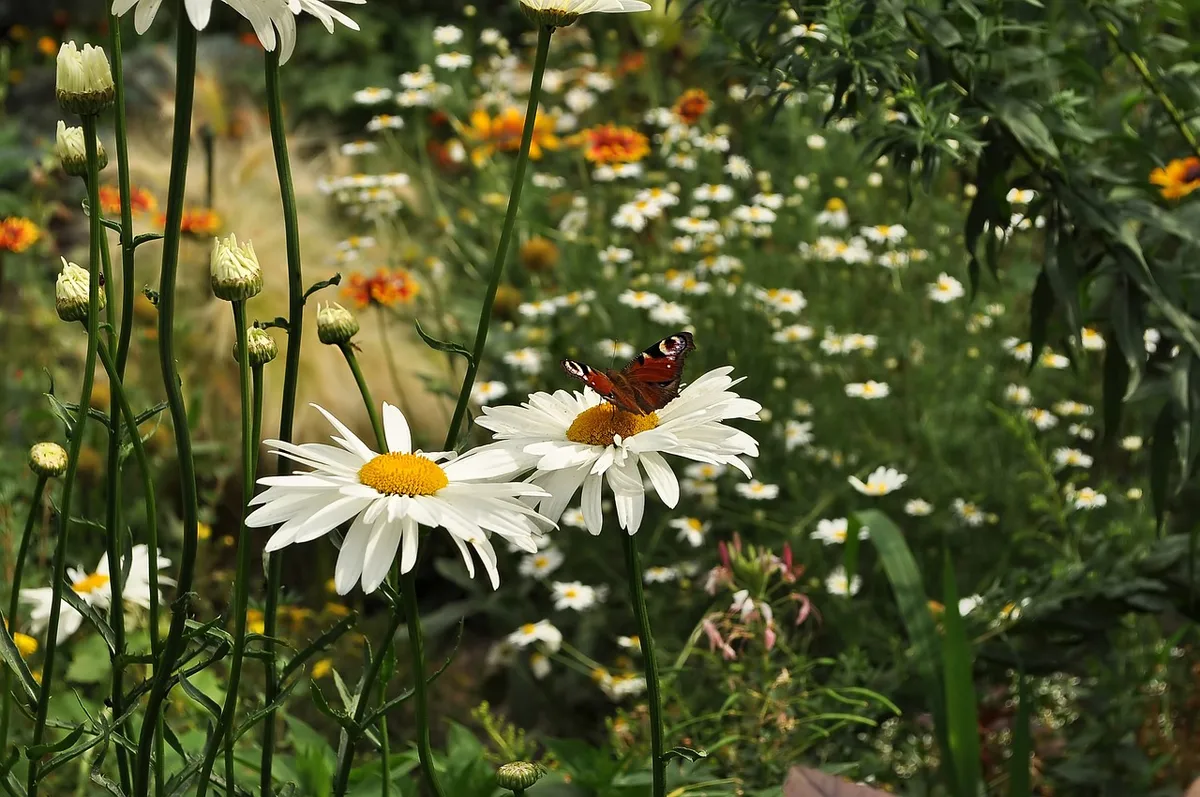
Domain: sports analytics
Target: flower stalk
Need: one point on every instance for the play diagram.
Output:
(180, 148)
(633, 569)
(291, 376)
(95, 236)
(412, 618)
(14, 599)
(506, 233)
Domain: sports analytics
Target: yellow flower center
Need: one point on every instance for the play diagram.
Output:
(90, 583)
(599, 425)
(876, 488)
(27, 645)
(570, 592)
(694, 524)
(528, 629)
(403, 474)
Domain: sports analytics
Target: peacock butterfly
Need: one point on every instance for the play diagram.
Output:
(647, 384)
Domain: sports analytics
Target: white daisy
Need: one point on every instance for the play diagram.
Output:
(96, 590)
(539, 664)
(867, 390)
(542, 564)
(542, 633)
(969, 604)
(797, 433)
(577, 440)
(691, 530)
(388, 497)
(659, 575)
(1087, 498)
(757, 491)
(838, 584)
(639, 299)
(968, 512)
(918, 507)
(452, 61)
(835, 531)
(574, 595)
(446, 35)
(487, 392)
(946, 289)
(526, 360)
(881, 481)
(1071, 458)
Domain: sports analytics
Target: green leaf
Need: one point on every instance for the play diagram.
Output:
(1060, 267)
(146, 238)
(12, 657)
(962, 721)
(685, 754)
(1116, 379)
(850, 555)
(1020, 780)
(441, 345)
(1041, 306)
(90, 614)
(336, 279)
(1026, 126)
(38, 750)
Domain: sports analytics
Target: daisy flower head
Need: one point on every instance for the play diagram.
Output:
(660, 575)
(542, 564)
(574, 595)
(968, 512)
(543, 634)
(882, 481)
(388, 497)
(691, 530)
(838, 583)
(758, 491)
(946, 289)
(574, 441)
(868, 390)
(835, 531)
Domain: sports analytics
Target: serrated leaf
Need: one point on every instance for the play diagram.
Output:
(336, 279)
(38, 750)
(76, 602)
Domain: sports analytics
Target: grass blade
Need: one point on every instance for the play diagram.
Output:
(962, 719)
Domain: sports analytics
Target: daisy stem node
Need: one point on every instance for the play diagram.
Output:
(95, 235)
(506, 233)
(185, 79)
(633, 569)
(15, 597)
(291, 377)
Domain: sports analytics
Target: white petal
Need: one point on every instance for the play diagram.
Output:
(395, 430)
(144, 15)
(593, 515)
(198, 12)
(408, 555)
(662, 477)
(349, 566)
(381, 550)
(348, 440)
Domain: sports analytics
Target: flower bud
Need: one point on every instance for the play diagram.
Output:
(85, 84)
(71, 149)
(236, 275)
(71, 293)
(536, 11)
(48, 459)
(261, 346)
(518, 775)
(335, 324)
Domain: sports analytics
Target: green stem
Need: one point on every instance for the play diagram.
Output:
(256, 383)
(416, 644)
(633, 568)
(360, 380)
(123, 186)
(241, 584)
(185, 76)
(506, 233)
(96, 236)
(291, 376)
(14, 599)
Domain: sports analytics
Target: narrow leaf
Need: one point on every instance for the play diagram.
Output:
(962, 721)
(441, 345)
(1020, 780)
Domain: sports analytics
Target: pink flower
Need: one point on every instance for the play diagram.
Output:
(716, 642)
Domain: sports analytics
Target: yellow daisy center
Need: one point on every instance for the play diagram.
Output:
(27, 645)
(90, 583)
(403, 474)
(528, 629)
(599, 425)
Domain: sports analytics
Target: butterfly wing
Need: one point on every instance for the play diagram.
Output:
(652, 379)
(593, 378)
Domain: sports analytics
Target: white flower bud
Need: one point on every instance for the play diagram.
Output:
(236, 275)
(84, 83)
(336, 324)
(71, 149)
(71, 293)
(48, 459)
(261, 346)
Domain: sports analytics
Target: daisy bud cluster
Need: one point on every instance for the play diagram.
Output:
(71, 293)
(71, 150)
(84, 82)
(234, 269)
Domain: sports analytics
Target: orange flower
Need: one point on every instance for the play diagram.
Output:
(503, 134)
(612, 144)
(18, 234)
(386, 288)
(201, 222)
(692, 105)
(47, 45)
(631, 62)
(141, 200)
(1179, 178)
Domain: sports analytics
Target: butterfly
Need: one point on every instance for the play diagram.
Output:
(648, 383)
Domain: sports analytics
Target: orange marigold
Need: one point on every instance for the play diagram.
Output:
(140, 199)
(18, 233)
(692, 105)
(502, 133)
(385, 288)
(201, 222)
(1178, 178)
(612, 144)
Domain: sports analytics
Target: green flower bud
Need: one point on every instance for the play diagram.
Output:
(261, 346)
(71, 149)
(48, 459)
(335, 324)
(71, 293)
(84, 81)
(518, 775)
(236, 275)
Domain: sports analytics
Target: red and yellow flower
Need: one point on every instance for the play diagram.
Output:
(611, 143)
(140, 199)
(502, 133)
(386, 288)
(692, 105)
(18, 233)
(1178, 178)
